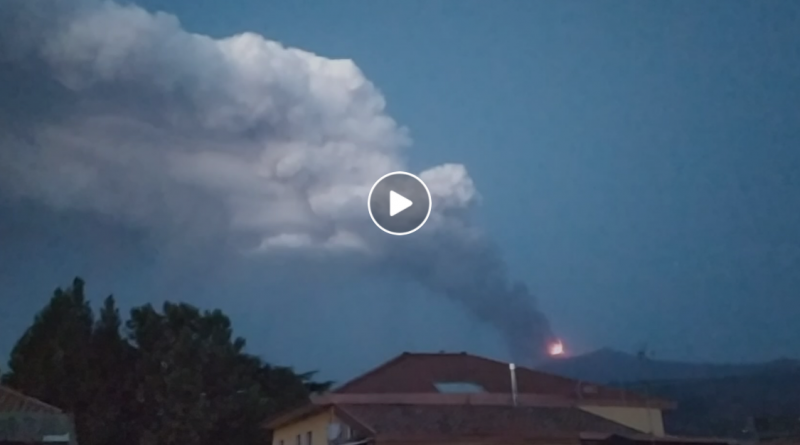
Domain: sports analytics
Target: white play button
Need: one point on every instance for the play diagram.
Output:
(397, 203)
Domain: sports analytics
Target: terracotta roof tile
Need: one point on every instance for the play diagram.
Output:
(419, 422)
(418, 373)
(14, 401)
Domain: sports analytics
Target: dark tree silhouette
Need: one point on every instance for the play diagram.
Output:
(52, 359)
(178, 376)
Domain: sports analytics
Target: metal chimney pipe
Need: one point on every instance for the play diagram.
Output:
(513, 370)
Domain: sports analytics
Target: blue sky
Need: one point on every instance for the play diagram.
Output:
(638, 163)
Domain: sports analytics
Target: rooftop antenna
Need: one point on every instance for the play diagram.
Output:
(644, 355)
(513, 371)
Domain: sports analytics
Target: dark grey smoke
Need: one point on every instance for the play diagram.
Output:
(470, 271)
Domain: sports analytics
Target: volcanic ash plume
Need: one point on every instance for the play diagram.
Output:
(110, 109)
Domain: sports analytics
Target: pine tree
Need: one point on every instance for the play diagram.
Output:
(108, 417)
(50, 361)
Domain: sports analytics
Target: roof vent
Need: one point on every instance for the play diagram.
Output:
(513, 370)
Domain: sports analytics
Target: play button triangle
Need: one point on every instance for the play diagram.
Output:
(397, 203)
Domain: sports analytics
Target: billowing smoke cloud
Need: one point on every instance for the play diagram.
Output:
(111, 109)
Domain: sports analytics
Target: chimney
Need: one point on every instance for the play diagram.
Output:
(513, 370)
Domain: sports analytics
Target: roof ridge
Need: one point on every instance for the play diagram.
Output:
(405, 355)
(29, 399)
(460, 354)
(373, 371)
(484, 358)
(438, 353)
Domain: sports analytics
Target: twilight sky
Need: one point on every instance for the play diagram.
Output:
(637, 166)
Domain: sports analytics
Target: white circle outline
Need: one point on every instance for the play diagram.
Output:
(425, 186)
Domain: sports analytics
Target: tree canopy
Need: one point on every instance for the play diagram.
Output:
(174, 376)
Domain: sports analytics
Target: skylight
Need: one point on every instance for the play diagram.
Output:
(458, 387)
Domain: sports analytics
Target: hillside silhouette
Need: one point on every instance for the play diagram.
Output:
(608, 366)
(713, 399)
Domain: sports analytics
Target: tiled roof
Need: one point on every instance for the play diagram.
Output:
(428, 422)
(14, 401)
(418, 373)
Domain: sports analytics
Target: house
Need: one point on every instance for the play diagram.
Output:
(25, 420)
(460, 398)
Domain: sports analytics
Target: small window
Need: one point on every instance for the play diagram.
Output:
(281, 442)
(309, 438)
(299, 440)
(458, 387)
